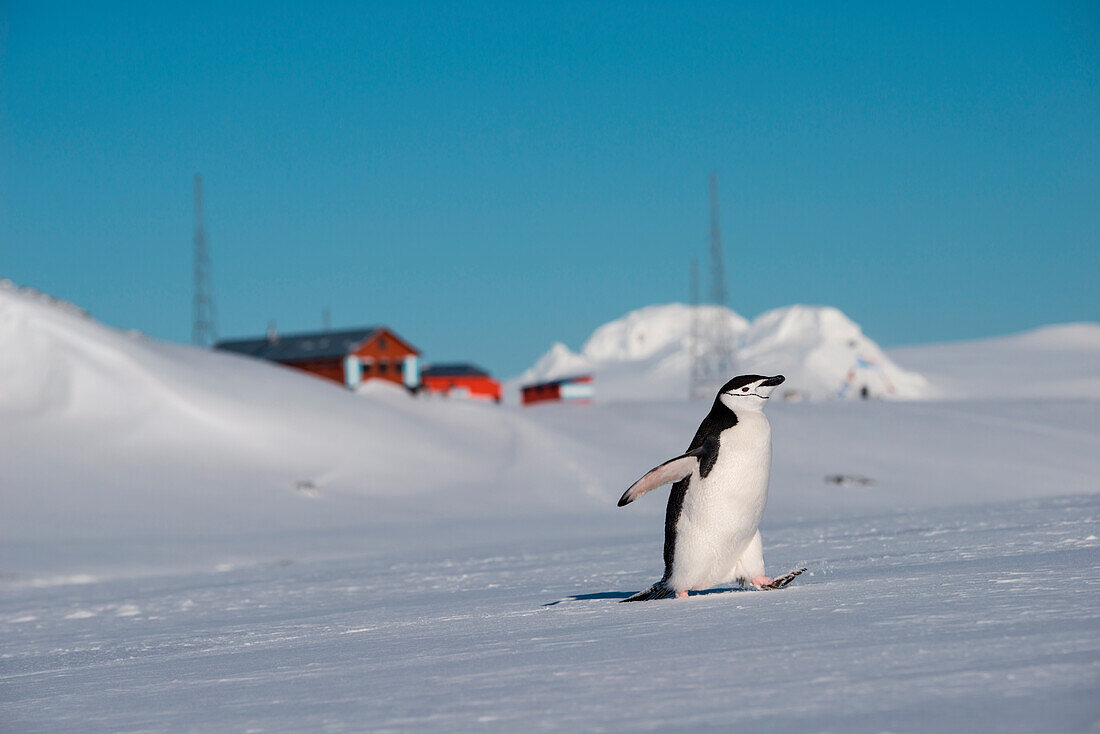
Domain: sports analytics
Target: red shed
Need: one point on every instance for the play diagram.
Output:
(460, 380)
(576, 390)
(347, 357)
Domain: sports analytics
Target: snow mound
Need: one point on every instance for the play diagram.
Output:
(190, 438)
(646, 355)
(560, 361)
(823, 354)
(651, 331)
(1057, 361)
(1076, 337)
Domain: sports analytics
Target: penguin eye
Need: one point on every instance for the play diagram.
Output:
(744, 389)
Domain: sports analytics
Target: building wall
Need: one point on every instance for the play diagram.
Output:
(329, 369)
(383, 357)
(541, 393)
(478, 386)
(576, 390)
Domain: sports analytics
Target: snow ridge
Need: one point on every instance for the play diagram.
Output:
(646, 355)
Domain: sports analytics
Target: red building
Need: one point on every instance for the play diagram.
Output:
(348, 357)
(460, 380)
(577, 390)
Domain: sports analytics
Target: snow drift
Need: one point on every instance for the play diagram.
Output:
(646, 355)
(188, 438)
(1058, 361)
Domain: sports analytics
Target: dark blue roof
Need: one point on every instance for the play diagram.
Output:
(301, 347)
(453, 370)
(555, 382)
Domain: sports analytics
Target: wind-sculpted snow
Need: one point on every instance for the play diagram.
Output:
(649, 331)
(646, 355)
(824, 354)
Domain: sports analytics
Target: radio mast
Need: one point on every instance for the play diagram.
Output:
(203, 330)
(712, 360)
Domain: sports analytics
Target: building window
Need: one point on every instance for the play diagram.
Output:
(382, 342)
(383, 367)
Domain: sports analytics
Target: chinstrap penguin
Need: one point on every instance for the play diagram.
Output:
(721, 485)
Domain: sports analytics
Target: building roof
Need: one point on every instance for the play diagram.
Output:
(453, 370)
(301, 347)
(558, 381)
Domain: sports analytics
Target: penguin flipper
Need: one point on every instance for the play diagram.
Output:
(672, 470)
(657, 591)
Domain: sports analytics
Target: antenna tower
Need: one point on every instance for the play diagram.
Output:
(718, 270)
(696, 377)
(712, 361)
(203, 331)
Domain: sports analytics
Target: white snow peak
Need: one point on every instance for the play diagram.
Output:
(646, 354)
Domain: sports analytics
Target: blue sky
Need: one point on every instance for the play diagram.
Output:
(489, 178)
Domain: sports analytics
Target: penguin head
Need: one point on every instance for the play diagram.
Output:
(748, 392)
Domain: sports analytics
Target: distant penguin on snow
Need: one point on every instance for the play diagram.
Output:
(721, 485)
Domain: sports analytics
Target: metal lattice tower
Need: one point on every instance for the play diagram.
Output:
(717, 268)
(695, 377)
(712, 360)
(203, 330)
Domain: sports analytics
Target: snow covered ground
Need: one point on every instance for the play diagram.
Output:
(981, 619)
(194, 541)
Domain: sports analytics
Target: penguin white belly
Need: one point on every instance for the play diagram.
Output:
(721, 511)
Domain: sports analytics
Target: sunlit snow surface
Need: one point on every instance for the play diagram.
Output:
(977, 619)
(451, 566)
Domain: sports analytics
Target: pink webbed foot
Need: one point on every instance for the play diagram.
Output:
(682, 594)
(764, 582)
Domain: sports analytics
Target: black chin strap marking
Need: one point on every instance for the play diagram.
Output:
(746, 395)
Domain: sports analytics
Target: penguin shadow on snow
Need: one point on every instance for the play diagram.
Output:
(626, 594)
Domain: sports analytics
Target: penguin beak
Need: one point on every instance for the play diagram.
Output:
(773, 381)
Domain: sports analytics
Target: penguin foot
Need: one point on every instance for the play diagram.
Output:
(682, 594)
(765, 583)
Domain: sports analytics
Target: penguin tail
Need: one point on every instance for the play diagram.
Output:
(657, 591)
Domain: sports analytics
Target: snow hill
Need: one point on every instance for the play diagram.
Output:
(646, 355)
(104, 431)
(1058, 361)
